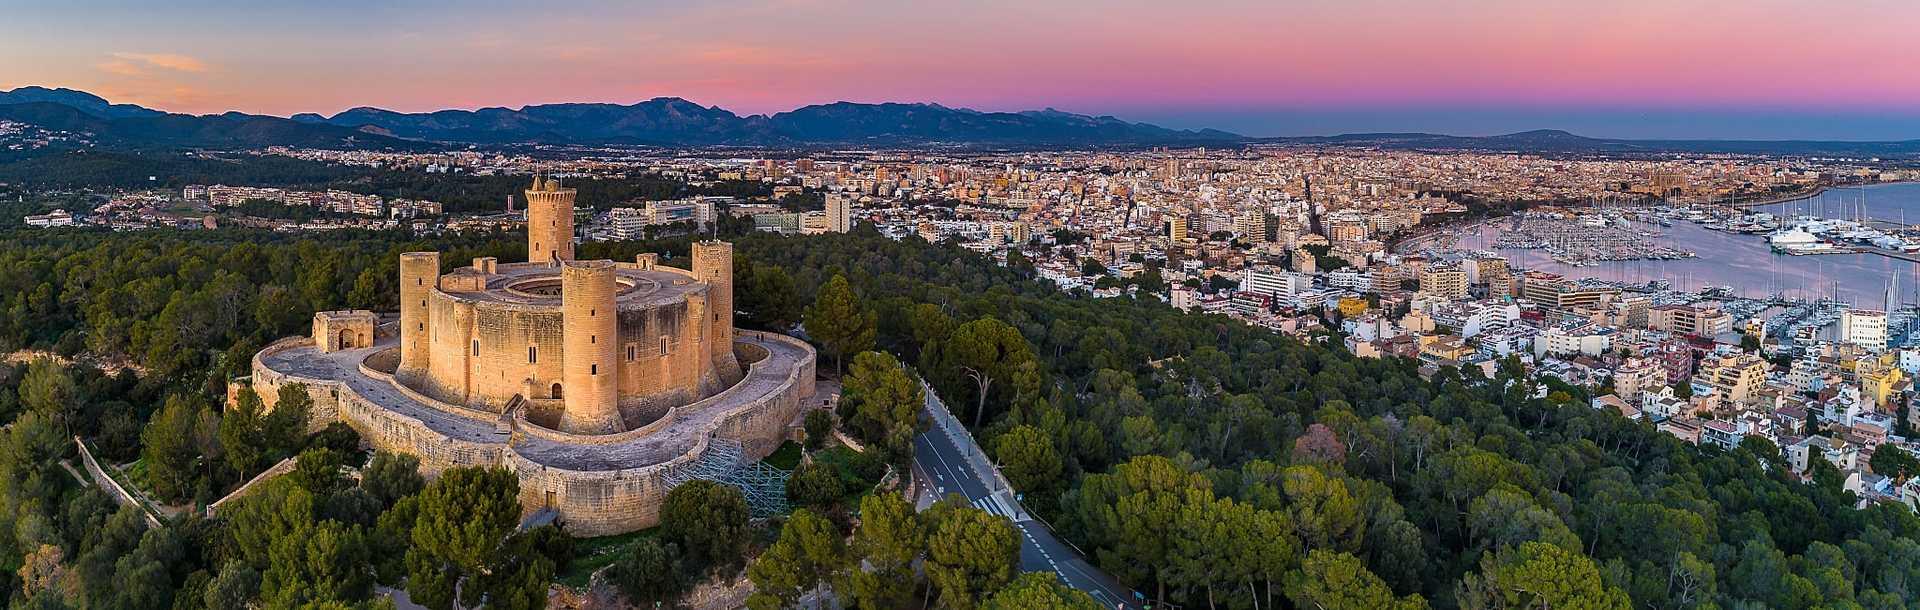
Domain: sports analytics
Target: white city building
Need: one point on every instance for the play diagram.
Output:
(1864, 327)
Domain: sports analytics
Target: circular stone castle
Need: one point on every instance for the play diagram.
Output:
(602, 384)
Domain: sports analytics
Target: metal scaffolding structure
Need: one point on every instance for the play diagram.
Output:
(763, 486)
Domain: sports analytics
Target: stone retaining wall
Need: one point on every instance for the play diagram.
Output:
(119, 494)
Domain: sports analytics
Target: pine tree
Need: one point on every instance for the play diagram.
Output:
(839, 321)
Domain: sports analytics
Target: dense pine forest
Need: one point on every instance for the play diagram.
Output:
(1207, 463)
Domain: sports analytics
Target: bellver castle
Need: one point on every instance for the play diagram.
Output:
(601, 384)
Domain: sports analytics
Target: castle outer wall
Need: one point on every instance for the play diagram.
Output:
(597, 485)
(601, 384)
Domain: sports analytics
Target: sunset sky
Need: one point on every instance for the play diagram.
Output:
(1842, 69)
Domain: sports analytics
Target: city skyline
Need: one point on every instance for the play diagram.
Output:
(1690, 69)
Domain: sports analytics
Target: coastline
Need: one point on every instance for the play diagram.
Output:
(1403, 246)
(1410, 243)
(1816, 192)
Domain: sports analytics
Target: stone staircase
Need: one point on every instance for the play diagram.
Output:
(505, 424)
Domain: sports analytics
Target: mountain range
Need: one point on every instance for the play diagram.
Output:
(676, 122)
(672, 121)
(665, 121)
(223, 131)
(81, 100)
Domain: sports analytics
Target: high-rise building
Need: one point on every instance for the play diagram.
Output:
(1347, 226)
(1177, 228)
(1446, 282)
(1631, 311)
(839, 213)
(1499, 286)
(1733, 377)
(1304, 261)
(1864, 327)
(1251, 225)
(1020, 232)
(1555, 292)
(1481, 271)
(626, 223)
(698, 211)
(1637, 376)
(1281, 285)
(1689, 320)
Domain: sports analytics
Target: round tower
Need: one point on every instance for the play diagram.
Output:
(713, 264)
(549, 222)
(419, 274)
(590, 342)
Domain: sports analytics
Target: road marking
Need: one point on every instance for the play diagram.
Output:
(940, 462)
(993, 506)
(929, 444)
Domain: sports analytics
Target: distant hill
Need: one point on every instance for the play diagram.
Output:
(80, 100)
(933, 123)
(226, 131)
(661, 121)
(1554, 141)
(674, 121)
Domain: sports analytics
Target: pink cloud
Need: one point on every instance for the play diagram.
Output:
(166, 61)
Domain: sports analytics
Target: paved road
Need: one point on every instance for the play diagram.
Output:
(939, 462)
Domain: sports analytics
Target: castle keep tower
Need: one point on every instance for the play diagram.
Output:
(549, 221)
(591, 370)
(713, 264)
(419, 275)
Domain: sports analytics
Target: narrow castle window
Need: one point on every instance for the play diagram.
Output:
(666, 346)
(633, 352)
(533, 354)
(476, 347)
(593, 369)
